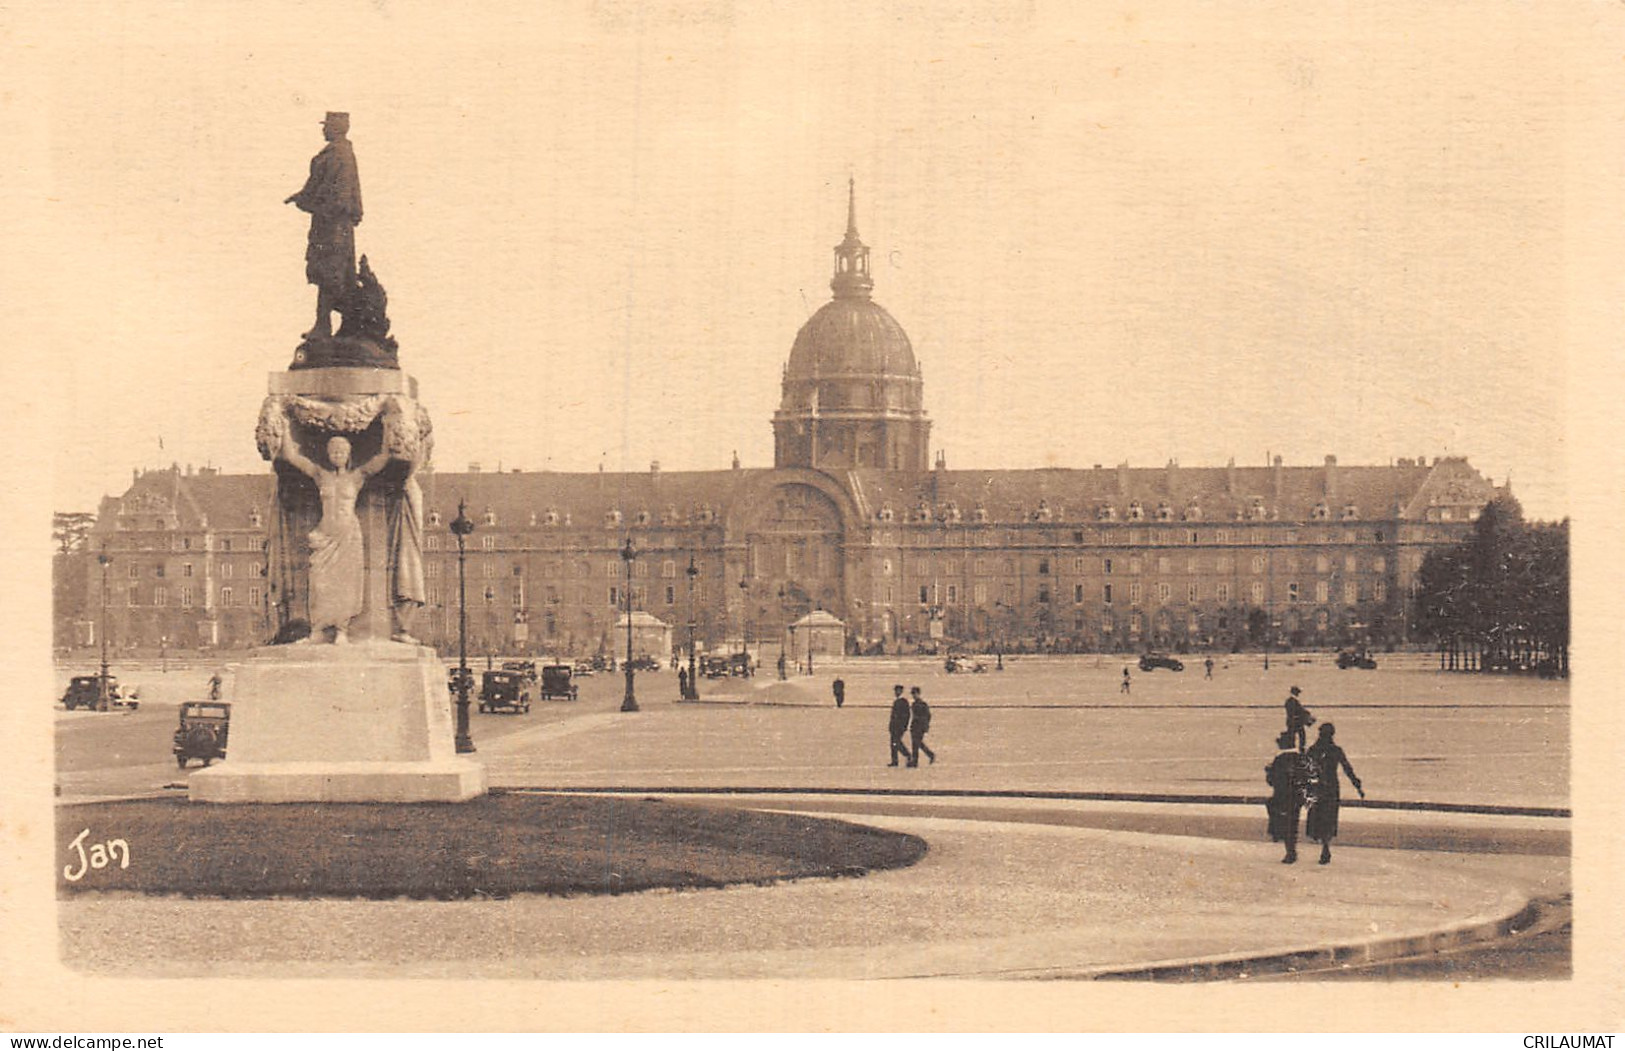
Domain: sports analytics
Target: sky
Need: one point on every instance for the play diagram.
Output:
(1188, 232)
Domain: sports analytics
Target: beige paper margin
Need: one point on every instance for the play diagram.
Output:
(38, 994)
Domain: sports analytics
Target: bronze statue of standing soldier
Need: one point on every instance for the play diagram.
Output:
(332, 196)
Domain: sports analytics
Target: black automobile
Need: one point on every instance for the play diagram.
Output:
(525, 668)
(557, 684)
(1153, 661)
(1347, 659)
(504, 691)
(202, 732)
(645, 663)
(85, 691)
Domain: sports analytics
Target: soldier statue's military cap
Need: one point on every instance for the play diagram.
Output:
(341, 121)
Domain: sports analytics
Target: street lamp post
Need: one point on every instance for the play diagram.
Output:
(998, 634)
(629, 703)
(810, 647)
(462, 526)
(693, 684)
(103, 701)
(744, 618)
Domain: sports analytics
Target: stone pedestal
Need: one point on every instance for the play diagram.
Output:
(365, 722)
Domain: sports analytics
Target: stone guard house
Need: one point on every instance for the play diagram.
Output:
(854, 518)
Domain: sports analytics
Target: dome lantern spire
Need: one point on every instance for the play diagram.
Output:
(852, 255)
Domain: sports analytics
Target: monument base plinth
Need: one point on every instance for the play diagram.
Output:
(440, 781)
(364, 722)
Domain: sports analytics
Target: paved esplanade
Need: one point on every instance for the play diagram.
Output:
(1010, 886)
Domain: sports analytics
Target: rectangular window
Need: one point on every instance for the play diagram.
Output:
(1292, 591)
(981, 594)
(1164, 592)
(186, 569)
(186, 543)
(1077, 592)
(1193, 592)
(1043, 567)
(1322, 591)
(431, 569)
(1043, 593)
(518, 569)
(226, 569)
(1221, 536)
(488, 570)
(254, 570)
(518, 596)
(1258, 563)
(671, 595)
(1077, 565)
(488, 543)
(490, 595)
(1134, 567)
(1221, 592)
(131, 596)
(434, 595)
(225, 543)
(1193, 565)
(1134, 623)
(431, 542)
(668, 569)
(1258, 592)
(226, 597)
(950, 568)
(953, 595)
(254, 597)
(1106, 594)
(1351, 593)
(1379, 592)
(1162, 564)
(1379, 565)
(614, 596)
(925, 595)
(1351, 564)
(186, 597)
(981, 567)
(1106, 567)
(612, 570)
(1225, 564)
(1134, 593)
(158, 571)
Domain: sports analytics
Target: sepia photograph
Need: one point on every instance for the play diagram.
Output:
(1063, 510)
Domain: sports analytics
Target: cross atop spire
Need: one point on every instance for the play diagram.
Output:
(852, 255)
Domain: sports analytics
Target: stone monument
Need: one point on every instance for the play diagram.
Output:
(344, 705)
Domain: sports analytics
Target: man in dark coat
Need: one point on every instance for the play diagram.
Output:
(919, 723)
(1288, 776)
(1298, 719)
(898, 725)
(1325, 757)
(332, 196)
(839, 688)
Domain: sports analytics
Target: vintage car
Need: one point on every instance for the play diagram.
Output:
(645, 663)
(1152, 661)
(583, 667)
(525, 668)
(958, 662)
(202, 732)
(504, 691)
(85, 691)
(556, 684)
(1347, 659)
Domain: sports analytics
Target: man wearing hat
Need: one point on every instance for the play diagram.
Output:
(1298, 719)
(332, 196)
(899, 726)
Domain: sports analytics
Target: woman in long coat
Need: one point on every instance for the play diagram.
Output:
(1325, 757)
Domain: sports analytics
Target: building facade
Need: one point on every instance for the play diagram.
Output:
(855, 518)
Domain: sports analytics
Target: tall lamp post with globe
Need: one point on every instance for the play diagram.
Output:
(462, 526)
(103, 701)
(629, 703)
(693, 683)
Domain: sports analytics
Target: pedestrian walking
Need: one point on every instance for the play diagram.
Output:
(1324, 758)
(839, 689)
(898, 724)
(919, 723)
(682, 683)
(1208, 666)
(214, 686)
(782, 666)
(1125, 687)
(1288, 777)
(1298, 719)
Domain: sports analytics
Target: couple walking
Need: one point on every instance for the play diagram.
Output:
(916, 719)
(1300, 778)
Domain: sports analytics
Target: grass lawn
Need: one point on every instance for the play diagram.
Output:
(498, 845)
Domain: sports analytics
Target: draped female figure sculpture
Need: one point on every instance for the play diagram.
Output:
(337, 551)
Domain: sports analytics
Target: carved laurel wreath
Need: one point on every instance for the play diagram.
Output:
(408, 433)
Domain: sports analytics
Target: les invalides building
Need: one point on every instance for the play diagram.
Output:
(855, 531)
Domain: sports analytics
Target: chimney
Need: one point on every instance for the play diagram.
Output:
(1122, 480)
(1230, 477)
(1277, 478)
(942, 460)
(736, 459)
(1331, 479)
(1173, 478)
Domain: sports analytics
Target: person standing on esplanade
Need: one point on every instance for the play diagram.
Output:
(1288, 777)
(898, 725)
(919, 723)
(1298, 719)
(1325, 757)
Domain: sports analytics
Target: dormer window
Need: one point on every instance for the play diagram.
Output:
(1106, 513)
(533, 519)
(979, 514)
(950, 513)
(434, 517)
(612, 517)
(254, 518)
(670, 516)
(1164, 512)
(707, 515)
(1193, 513)
(1043, 513)
(886, 514)
(1136, 511)
(643, 518)
(1350, 512)
(490, 517)
(550, 517)
(1320, 512)
(1257, 511)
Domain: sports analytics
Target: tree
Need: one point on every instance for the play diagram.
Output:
(71, 530)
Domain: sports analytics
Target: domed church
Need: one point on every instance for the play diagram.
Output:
(854, 521)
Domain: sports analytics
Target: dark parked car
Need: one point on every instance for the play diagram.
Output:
(85, 691)
(1153, 661)
(525, 668)
(645, 663)
(504, 691)
(557, 684)
(202, 732)
(1355, 659)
